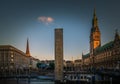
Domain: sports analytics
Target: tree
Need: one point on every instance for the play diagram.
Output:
(52, 65)
(38, 65)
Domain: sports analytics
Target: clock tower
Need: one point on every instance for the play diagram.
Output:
(95, 35)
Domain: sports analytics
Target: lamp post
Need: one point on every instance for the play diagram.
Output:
(6, 72)
(11, 70)
(2, 73)
(118, 64)
(29, 75)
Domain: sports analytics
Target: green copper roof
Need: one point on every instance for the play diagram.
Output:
(86, 56)
(102, 48)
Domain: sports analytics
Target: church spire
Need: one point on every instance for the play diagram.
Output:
(27, 48)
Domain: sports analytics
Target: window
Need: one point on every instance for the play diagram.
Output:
(71, 77)
(11, 60)
(81, 77)
(85, 77)
(96, 36)
(11, 55)
(74, 77)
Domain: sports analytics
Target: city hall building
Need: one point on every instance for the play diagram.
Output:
(101, 57)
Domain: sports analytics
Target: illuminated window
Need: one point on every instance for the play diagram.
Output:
(96, 43)
(11, 60)
(11, 55)
(96, 36)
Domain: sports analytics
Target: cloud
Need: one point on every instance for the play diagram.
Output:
(45, 20)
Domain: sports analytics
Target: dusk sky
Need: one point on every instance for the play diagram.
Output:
(37, 19)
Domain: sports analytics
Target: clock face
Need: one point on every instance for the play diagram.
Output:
(96, 44)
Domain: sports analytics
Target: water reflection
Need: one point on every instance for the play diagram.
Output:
(25, 81)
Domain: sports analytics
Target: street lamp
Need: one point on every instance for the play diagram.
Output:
(29, 69)
(2, 71)
(29, 74)
(6, 71)
(118, 64)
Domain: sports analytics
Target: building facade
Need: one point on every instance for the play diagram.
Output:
(69, 65)
(78, 64)
(75, 65)
(13, 61)
(101, 57)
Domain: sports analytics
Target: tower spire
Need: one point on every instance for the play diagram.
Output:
(95, 22)
(94, 12)
(116, 34)
(116, 31)
(95, 36)
(27, 48)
